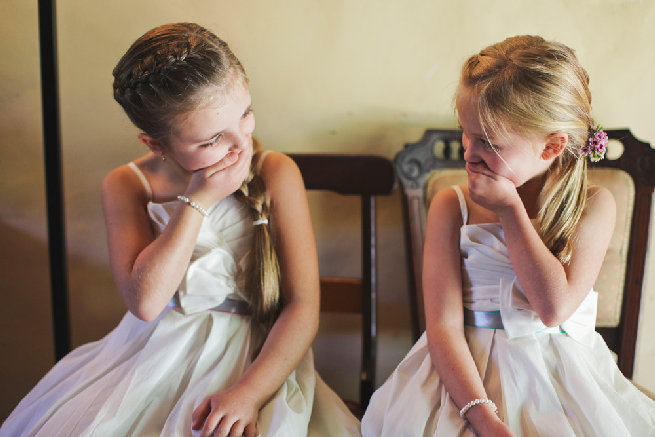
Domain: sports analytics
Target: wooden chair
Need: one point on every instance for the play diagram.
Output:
(435, 162)
(365, 176)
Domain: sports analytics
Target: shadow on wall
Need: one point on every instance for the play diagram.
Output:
(26, 339)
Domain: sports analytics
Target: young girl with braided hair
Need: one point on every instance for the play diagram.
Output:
(510, 347)
(212, 250)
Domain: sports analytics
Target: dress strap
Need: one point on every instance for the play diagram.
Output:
(142, 178)
(462, 203)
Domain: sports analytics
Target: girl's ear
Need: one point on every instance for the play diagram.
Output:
(154, 145)
(555, 145)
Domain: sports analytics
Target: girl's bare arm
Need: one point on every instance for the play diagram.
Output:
(293, 332)
(555, 290)
(148, 270)
(442, 285)
(296, 327)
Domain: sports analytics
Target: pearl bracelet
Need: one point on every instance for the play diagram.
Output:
(475, 402)
(194, 205)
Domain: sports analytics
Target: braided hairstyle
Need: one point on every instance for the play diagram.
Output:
(528, 85)
(263, 282)
(165, 74)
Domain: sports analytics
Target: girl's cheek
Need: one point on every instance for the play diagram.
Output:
(248, 125)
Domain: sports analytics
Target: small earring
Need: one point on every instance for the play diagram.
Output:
(163, 157)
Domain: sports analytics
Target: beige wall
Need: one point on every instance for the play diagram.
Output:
(338, 76)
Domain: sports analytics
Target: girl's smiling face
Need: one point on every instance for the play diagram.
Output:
(510, 155)
(207, 134)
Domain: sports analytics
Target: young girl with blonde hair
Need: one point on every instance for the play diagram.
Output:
(510, 346)
(212, 250)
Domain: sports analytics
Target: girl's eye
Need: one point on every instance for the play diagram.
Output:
(487, 144)
(213, 142)
(247, 113)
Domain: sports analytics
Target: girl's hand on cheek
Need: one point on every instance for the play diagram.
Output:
(231, 412)
(489, 189)
(213, 183)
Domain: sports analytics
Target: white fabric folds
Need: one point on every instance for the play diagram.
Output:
(146, 378)
(559, 382)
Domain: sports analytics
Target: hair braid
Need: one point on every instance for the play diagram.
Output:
(166, 72)
(264, 281)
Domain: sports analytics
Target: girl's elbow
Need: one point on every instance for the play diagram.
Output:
(313, 328)
(145, 314)
(145, 311)
(550, 321)
(553, 317)
(312, 319)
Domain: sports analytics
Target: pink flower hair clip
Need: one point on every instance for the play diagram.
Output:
(596, 144)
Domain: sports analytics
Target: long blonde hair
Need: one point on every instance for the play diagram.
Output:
(263, 282)
(528, 85)
(163, 75)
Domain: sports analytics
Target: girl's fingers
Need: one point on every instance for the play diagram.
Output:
(237, 429)
(251, 430)
(211, 424)
(238, 163)
(223, 428)
(199, 414)
(224, 163)
(480, 168)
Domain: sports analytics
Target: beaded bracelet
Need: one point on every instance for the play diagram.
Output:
(475, 402)
(194, 205)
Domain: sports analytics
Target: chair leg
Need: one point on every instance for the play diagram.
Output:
(369, 300)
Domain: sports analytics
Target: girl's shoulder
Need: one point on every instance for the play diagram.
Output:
(278, 169)
(594, 191)
(281, 176)
(150, 177)
(450, 205)
(129, 180)
(271, 161)
(600, 204)
(475, 214)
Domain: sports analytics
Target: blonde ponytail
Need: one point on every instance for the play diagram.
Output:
(563, 200)
(263, 284)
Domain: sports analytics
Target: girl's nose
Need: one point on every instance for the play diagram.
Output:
(469, 152)
(238, 141)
